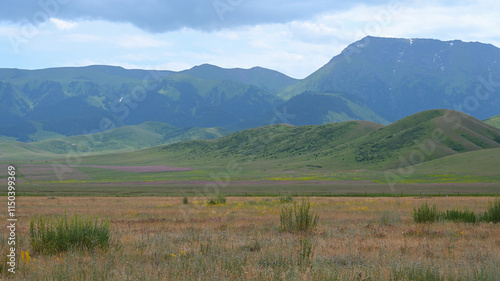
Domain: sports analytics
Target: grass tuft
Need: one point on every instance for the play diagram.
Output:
(459, 216)
(50, 236)
(220, 199)
(424, 213)
(493, 212)
(298, 217)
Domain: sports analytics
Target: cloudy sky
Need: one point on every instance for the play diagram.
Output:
(295, 37)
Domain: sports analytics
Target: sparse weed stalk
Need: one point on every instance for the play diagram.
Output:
(306, 251)
(50, 236)
(424, 213)
(298, 217)
(287, 198)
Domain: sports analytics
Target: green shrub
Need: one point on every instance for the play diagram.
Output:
(51, 236)
(216, 200)
(459, 216)
(185, 200)
(424, 213)
(287, 198)
(298, 217)
(493, 212)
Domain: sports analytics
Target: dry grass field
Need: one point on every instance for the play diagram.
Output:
(356, 239)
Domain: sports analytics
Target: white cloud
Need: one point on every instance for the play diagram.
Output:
(63, 25)
(138, 41)
(297, 47)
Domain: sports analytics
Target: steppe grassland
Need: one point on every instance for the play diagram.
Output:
(356, 239)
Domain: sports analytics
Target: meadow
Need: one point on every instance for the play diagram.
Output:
(162, 238)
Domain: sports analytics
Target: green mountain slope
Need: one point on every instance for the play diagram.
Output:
(493, 121)
(13, 150)
(316, 109)
(74, 101)
(480, 162)
(423, 137)
(399, 77)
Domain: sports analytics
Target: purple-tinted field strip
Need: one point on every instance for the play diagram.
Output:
(256, 182)
(143, 169)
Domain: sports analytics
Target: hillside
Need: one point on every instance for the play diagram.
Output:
(399, 77)
(127, 138)
(422, 137)
(316, 109)
(479, 162)
(351, 145)
(493, 121)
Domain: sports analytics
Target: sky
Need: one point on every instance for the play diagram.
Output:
(295, 37)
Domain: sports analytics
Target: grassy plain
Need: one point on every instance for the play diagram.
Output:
(155, 238)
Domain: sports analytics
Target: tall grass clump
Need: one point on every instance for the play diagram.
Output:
(424, 213)
(217, 200)
(459, 216)
(50, 236)
(493, 212)
(298, 217)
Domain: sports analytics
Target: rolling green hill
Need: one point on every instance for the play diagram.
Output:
(351, 145)
(481, 162)
(493, 121)
(127, 138)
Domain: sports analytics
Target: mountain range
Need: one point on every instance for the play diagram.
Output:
(380, 80)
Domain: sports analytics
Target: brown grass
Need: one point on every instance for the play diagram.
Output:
(356, 239)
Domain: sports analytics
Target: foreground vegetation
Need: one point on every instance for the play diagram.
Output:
(426, 213)
(242, 239)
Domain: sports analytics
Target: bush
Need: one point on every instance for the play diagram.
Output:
(459, 216)
(424, 213)
(287, 198)
(298, 217)
(493, 212)
(48, 236)
(185, 200)
(218, 200)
